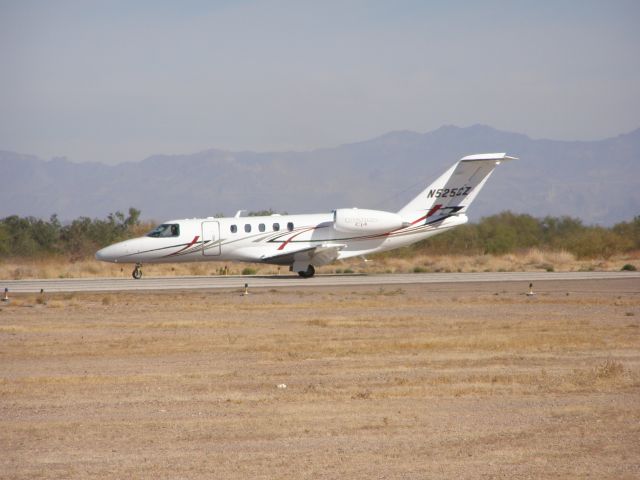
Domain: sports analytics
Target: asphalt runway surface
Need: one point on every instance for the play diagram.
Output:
(234, 282)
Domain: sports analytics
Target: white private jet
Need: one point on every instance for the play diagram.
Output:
(306, 241)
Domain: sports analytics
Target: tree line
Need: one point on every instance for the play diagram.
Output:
(30, 237)
(509, 232)
(506, 232)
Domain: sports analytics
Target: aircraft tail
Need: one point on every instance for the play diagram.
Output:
(455, 189)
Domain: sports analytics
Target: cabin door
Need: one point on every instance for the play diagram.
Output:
(210, 238)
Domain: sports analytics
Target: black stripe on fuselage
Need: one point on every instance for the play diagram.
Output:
(159, 249)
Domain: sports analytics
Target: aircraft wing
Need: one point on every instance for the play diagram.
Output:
(318, 255)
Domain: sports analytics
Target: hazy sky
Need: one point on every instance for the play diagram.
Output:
(114, 81)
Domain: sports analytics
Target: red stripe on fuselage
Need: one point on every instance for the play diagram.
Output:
(434, 209)
(418, 220)
(195, 239)
(284, 244)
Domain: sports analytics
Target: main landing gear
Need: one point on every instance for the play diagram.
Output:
(308, 273)
(137, 271)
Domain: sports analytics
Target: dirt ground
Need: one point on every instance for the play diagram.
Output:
(430, 381)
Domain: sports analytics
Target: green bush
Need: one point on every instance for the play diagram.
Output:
(628, 267)
(32, 237)
(249, 271)
(508, 232)
(505, 232)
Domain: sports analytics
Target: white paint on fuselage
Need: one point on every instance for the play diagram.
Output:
(314, 239)
(309, 231)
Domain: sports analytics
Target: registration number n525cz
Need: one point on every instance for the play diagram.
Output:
(449, 192)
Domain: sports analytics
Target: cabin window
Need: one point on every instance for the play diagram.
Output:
(165, 230)
(234, 228)
(247, 227)
(276, 227)
(290, 226)
(261, 227)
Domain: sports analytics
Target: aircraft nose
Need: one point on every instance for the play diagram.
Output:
(122, 251)
(109, 254)
(104, 255)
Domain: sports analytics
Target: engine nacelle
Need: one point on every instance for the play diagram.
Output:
(356, 220)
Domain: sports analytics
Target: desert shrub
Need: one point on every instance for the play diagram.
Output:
(610, 368)
(630, 231)
(249, 271)
(595, 242)
(628, 267)
(509, 232)
(261, 213)
(29, 236)
(506, 232)
(32, 237)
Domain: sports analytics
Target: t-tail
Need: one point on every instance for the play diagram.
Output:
(452, 193)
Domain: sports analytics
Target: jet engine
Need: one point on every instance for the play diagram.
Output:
(359, 221)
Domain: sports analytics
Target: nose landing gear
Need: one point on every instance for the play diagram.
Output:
(137, 271)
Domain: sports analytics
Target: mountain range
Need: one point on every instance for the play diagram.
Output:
(596, 181)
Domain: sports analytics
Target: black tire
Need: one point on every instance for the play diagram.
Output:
(308, 273)
(137, 273)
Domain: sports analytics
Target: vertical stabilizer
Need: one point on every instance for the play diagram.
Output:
(455, 189)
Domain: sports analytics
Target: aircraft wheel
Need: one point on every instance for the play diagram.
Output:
(137, 272)
(308, 273)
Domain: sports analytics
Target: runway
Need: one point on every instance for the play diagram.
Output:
(233, 282)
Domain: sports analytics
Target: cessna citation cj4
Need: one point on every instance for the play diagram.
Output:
(307, 241)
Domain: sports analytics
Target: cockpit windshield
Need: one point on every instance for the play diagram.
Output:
(165, 230)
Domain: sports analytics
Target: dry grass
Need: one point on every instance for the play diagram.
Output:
(532, 260)
(381, 382)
